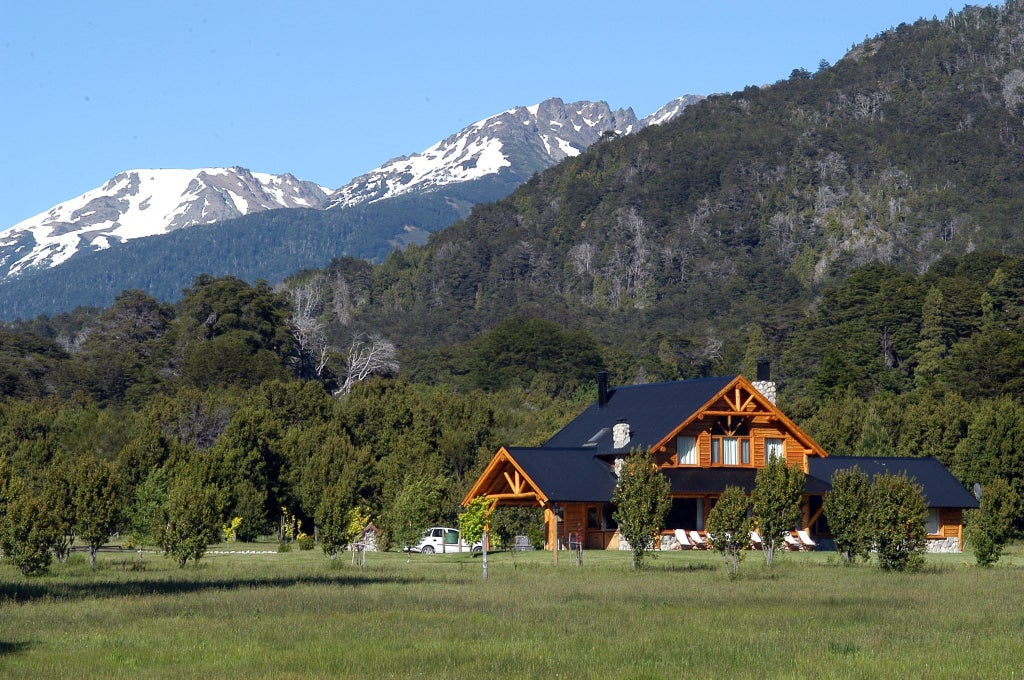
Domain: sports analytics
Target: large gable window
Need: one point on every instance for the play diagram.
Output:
(687, 450)
(730, 451)
(730, 441)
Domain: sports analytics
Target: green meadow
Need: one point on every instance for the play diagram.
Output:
(298, 614)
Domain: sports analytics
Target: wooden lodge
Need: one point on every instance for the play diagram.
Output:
(706, 434)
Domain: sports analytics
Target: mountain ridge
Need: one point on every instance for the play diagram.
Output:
(146, 202)
(482, 163)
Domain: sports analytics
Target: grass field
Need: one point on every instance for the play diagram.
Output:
(297, 614)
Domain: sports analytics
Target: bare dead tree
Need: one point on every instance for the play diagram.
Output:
(306, 326)
(638, 272)
(581, 256)
(368, 355)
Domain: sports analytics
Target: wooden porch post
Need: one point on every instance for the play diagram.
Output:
(552, 521)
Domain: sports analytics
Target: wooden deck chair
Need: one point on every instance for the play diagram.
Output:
(793, 543)
(755, 541)
(684, 540)
(806, 539)
(698, 540)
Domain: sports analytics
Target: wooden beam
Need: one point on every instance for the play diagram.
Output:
(513, 496)
(814, 518)
(744, 414)
(515, 484)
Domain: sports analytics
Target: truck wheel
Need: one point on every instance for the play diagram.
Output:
(427, 550)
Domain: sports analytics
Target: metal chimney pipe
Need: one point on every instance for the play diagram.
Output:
(764, 369)
(602, 389)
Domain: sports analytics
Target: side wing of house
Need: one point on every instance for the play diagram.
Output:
(947, 498)
(567, 484)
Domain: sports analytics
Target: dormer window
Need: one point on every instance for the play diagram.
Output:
(597, 437)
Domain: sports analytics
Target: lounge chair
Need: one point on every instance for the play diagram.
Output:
(684, 540)
(793, 543)
(755, 541)
(806, 540)
(698, 540)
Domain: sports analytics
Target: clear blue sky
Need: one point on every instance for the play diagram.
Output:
(330, 90)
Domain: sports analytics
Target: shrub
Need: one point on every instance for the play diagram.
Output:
(898, 515)
(190, 519)
(847, 507)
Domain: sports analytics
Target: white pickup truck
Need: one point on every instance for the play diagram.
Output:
(443, 540)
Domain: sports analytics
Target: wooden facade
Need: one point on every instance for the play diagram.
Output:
(705, 435)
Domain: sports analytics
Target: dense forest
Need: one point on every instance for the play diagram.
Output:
(858, 225)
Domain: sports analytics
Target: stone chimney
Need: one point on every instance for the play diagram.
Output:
(764, 383)
(620, 434)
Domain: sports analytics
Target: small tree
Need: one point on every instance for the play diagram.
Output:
(898, 515)
(57, 497)
(143, 513)
(331, 519)
(413, 509)
(97, 503)
(728, 526)
(642, 497)
(190, 519)
(990, 527)
(27, 530)
(847, 509)
(473, 525)
(776, 501)
(473, 520)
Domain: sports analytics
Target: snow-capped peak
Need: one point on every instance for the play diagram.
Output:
(522, 140)
(139, 203)
(671, 110)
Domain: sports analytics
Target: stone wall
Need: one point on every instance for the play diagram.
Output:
(944, 545)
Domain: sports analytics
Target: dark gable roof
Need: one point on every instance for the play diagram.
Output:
(567, 474)
(652, 411)
(941, 488)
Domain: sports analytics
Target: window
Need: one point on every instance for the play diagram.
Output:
(687, 450)
(774, 449)
(730, 451)
(686, 513)
(934, 522)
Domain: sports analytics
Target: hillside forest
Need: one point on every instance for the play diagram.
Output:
(224, 390)
(859, 226)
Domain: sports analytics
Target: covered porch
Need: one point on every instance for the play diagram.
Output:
(571, 486)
